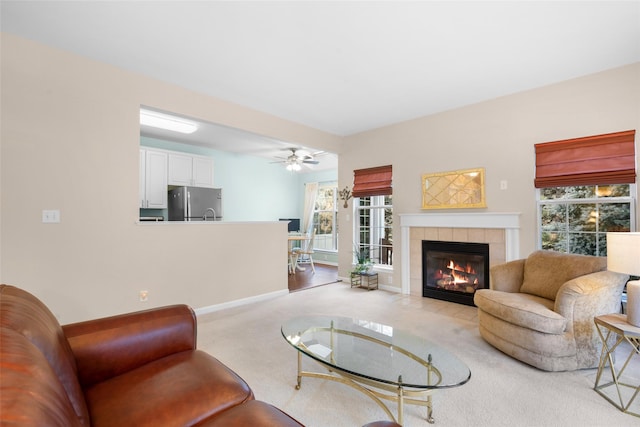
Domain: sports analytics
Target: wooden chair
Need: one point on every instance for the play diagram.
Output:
(305, 254)
(387, 251)
(291, 262)
(292, 256)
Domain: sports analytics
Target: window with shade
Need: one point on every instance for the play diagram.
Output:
(373, 205)
(586, 188)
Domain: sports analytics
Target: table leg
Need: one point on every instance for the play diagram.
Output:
(607, 356)
(299, 381)
(400, 400)
(430, 419)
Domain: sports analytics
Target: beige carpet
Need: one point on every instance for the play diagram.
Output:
(501, 392)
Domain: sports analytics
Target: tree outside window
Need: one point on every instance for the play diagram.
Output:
(575, 219)
(325, 218)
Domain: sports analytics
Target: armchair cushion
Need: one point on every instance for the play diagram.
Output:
(528, 311)
(546, 271)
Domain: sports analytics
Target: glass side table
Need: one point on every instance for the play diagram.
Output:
(609, 325)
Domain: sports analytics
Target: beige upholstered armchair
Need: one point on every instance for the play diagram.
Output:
(540, 310)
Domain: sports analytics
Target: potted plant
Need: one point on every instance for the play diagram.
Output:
(363, 262)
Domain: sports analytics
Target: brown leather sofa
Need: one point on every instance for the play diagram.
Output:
(134, 369)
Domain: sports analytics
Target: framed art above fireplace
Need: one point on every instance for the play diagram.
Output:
(455, 189)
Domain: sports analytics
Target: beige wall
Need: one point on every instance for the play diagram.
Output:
(70, 138)
(498, 135)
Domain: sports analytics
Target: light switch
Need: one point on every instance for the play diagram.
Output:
(51, 216)
(503, 184)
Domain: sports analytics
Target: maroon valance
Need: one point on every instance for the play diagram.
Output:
(372, 181)
(591, 160)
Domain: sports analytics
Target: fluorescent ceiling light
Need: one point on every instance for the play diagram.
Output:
(165, 121)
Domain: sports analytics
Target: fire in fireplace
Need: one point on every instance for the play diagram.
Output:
(453, 271)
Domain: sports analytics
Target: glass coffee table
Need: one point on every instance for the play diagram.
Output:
(379, 360)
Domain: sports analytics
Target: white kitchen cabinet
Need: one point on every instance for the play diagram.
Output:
(203, 171)
(180, 169)
(190, 170)
(153, 179)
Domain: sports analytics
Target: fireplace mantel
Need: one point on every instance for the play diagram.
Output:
(507, 221)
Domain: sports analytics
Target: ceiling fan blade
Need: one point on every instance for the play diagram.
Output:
(299, 156)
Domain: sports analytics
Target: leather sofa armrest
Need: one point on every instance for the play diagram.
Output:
(110, 346)
(508, 277)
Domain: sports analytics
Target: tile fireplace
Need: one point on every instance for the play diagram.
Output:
(500, 230)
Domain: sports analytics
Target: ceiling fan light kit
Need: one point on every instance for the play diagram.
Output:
(295, 160)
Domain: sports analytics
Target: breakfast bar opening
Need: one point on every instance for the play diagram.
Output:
(453, 271)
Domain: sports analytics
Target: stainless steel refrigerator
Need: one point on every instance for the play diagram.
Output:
(195, 204)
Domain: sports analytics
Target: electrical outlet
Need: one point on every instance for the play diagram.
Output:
(51, 216)
(143, 296)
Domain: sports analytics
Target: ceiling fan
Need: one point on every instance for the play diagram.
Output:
(296, 159)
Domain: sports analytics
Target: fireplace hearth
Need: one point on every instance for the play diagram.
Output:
(453, 271)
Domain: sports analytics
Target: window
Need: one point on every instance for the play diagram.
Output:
(575, 219)
(325, 218)
(373, 233)
(372, 189)
(585, 188)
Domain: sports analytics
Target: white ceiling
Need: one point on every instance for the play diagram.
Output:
(343, 66)
(238, 141)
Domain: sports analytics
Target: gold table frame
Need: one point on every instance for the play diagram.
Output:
(616, 324)
(377, 390)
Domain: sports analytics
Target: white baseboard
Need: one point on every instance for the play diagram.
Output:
(325, 262)
(264, 297)
(239, 302)
(390, 288)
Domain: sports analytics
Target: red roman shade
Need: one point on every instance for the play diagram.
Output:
(372, 181)
(599, 159)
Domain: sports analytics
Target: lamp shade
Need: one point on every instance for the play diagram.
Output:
(623, 253)
(623, 256)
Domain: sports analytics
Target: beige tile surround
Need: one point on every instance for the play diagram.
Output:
(501, 230)
(494, 237)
